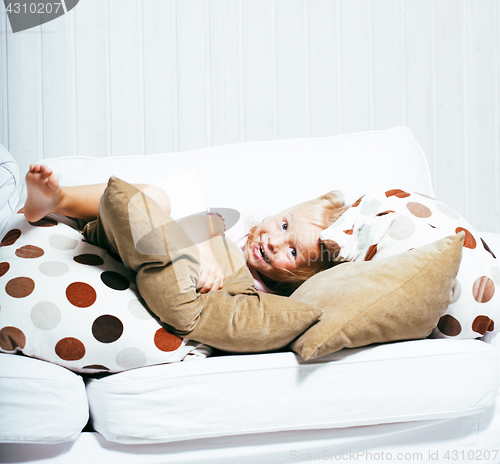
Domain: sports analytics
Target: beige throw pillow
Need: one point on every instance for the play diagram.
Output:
(236, 318)
(395, 298)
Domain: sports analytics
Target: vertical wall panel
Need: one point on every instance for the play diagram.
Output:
(192, 74)
(92, 80)
(324, 104)
(388, 61)
(4, 102)
(57, 87)
(419, 103)
(357, 66)
(451, 104)
(259, 50)
(160, 76)
(25, 99)
(291, 76)
(481, 114)
(125, 66)
(225, 70)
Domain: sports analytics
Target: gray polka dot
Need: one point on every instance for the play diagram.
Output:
(456, 292)
(402, 228)
(45, 315)
(363, 236)
(370, 207)
(53, 268)
(448, 211)
(130, 358)
(138, 310)
(61, 242)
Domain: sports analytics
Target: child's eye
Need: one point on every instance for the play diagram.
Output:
(284, 225)
(293, 251)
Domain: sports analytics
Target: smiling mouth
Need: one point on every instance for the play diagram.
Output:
(263, 254)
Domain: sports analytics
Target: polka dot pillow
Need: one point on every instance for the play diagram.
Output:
(66, 301)
(385, 223)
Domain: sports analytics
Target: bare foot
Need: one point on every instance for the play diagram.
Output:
(43, 192)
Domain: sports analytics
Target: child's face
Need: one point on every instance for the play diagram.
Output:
(288, 241)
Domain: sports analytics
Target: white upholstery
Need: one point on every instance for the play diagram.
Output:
(10, 186)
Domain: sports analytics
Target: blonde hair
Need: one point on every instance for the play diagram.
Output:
(322, 212)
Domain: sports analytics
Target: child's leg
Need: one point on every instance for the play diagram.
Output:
(46, 196)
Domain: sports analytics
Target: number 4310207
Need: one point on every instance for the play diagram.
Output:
(34, 8)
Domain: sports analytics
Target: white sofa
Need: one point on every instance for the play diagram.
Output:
(415, 401)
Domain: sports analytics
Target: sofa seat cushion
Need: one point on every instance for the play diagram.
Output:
(44, 403)
(236, 395)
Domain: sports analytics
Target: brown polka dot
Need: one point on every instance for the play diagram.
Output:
(397, 193)
(470, 241)
(487, 248)
(419, 210)
(47, 221)
(70, 349)
(10, 237)
(357, 202)
(21, 211)
(96, 367)
(81, 294)
(4, 267)
(349, 231)
(448, 325)
(29, 252)
(483, 324)
(483, 289)
(166, 341)
(107, 329)
(371, 253)
(430, 225)
(20, 287)
(115, 280)
(383, 213)
(12, 338)
(89, 259)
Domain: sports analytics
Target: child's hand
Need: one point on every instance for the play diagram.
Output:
(211, 275)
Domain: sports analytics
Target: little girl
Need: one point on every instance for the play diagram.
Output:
(281, 252)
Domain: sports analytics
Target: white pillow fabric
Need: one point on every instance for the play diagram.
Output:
(385, 223)
(10, 186)
(71, 303)
(40, 402)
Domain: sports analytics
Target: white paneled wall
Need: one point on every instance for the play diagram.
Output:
(123, 77)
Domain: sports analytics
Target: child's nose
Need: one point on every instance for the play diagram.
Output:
(275, 242)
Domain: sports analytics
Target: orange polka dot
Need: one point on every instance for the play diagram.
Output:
(70, 349)
(397, 193)
(470, 241)
(166, 341)
(418, 209)
(10, 237)
(29, 252)
(483, 324)
(96, 367)
(371, 253)
(483, 289)
(12, 338)
(448, 325)
(383, 213)
(4, 267)
(81, 294)
(21, 211)
(357, 202)
(20, 287)
(349, 231)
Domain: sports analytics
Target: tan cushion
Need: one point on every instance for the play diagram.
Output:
(395, 298)
(236, 318)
